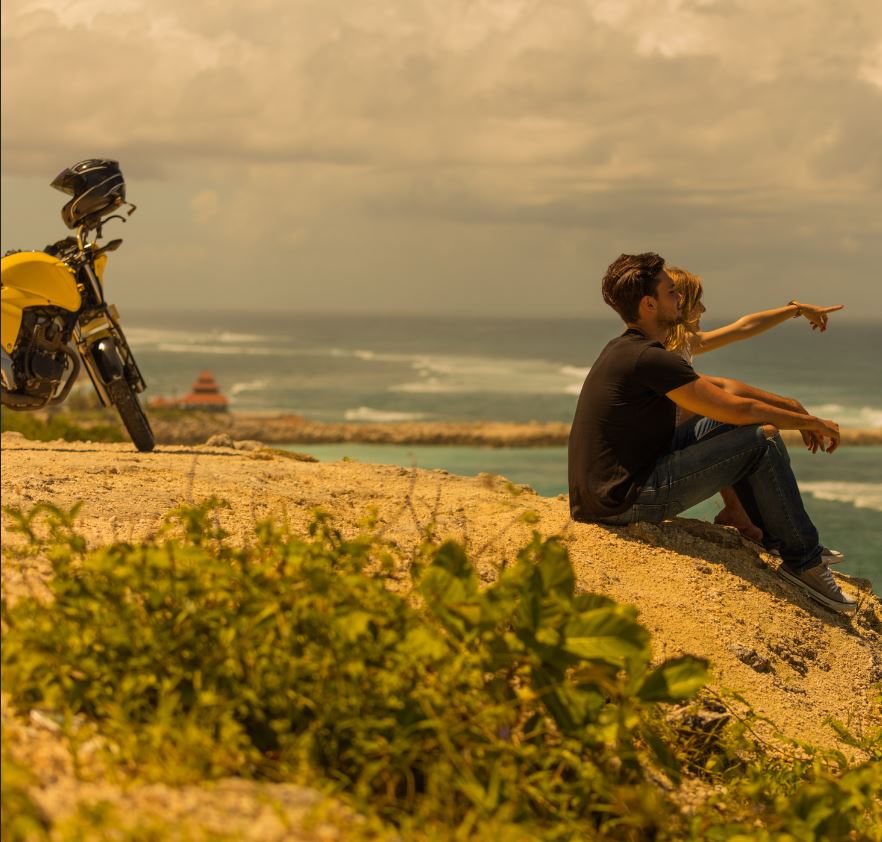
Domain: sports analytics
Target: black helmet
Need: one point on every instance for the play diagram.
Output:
(97, 186)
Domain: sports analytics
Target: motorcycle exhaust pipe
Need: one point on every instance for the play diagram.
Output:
(14, 401)
(62, 395)
(7, 371)
(25, 402)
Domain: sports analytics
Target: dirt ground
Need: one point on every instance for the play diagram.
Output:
(699, 589)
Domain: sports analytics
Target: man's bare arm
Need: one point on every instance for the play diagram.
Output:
(743, 390)
(704, 397)
(814, 441)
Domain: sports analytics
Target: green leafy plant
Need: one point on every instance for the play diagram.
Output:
(20, 817)
(523, 709)
(60, 425)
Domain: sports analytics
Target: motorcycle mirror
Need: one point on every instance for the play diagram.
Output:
(113, 245)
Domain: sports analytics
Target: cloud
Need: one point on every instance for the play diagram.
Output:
(206, 206)
(636, 118)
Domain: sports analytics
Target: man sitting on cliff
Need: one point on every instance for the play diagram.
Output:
(626, 464)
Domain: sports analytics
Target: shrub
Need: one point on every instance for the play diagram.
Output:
(524, 705)
(58, 425)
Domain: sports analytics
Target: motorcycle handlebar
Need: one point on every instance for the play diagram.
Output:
(113, 245)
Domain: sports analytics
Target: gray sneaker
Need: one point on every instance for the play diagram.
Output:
(819, 584)
(831, 556)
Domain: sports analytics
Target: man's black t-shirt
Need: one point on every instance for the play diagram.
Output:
(623, 423)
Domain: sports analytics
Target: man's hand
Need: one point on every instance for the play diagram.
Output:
(813, 441)
(817, 316)
(705, 397)
(815, 436)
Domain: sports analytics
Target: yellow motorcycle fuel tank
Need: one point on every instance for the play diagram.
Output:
(33, 279)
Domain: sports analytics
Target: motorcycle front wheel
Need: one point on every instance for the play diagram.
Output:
(124, 398)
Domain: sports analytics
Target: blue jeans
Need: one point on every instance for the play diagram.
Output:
(706, 456)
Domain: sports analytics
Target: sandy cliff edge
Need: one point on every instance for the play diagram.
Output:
(699, 589)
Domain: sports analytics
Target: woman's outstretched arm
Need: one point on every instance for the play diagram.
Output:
(756, 323)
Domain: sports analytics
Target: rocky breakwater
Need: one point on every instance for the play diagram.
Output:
(196, 427)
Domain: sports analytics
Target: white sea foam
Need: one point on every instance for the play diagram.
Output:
(574, 371)
(861, 495)
(384, 357)
(243, 350)
(579, 373)
(228, 350)
(140, 337)
(228, 336)
(366, 413)
(442, 374)
(249, 386)
(849, 416)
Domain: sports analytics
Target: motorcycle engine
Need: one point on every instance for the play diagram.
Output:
(40, 360)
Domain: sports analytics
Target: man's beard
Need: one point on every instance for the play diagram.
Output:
(668, 323)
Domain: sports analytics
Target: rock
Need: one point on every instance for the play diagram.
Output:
(247, 444)
(296, 455)
(220, 440)
(751, 657)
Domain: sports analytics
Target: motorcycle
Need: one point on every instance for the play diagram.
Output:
(55, 318)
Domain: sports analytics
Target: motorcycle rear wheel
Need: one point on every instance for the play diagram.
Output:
(132, 414)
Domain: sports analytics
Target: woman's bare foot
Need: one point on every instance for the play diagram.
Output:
(739, 519)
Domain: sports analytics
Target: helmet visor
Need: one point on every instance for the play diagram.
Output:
(68, 181)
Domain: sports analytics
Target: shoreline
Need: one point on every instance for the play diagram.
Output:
(183, 427)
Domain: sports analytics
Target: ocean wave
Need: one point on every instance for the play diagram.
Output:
(575, 371)
(141, 337)
(849, 416)
(430, 386)
(443, 374)
(861, 495)
(249, 386)
(433, 373)
(229, 336)
(366, 413)
(244, 351)
(228, 350)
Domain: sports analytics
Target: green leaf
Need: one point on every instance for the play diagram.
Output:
(674, 680)
(548, 637)
(420, 643)
(568, 706)
(451, 557)
(589, 601)
(450, 587)
(605, 634)
(354, 624)
(555, 569)
(663, 754)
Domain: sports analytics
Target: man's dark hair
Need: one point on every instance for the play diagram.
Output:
(628, 279)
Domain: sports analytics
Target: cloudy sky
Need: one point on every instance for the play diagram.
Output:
(467, 156)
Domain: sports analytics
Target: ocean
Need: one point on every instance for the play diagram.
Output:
(434, 368)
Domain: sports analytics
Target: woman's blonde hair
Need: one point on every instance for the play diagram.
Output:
(689, 286)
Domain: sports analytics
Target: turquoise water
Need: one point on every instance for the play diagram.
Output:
(841, 491)
(346, 368)
(433, 368)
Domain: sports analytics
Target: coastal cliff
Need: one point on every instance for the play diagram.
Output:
(699, 589)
